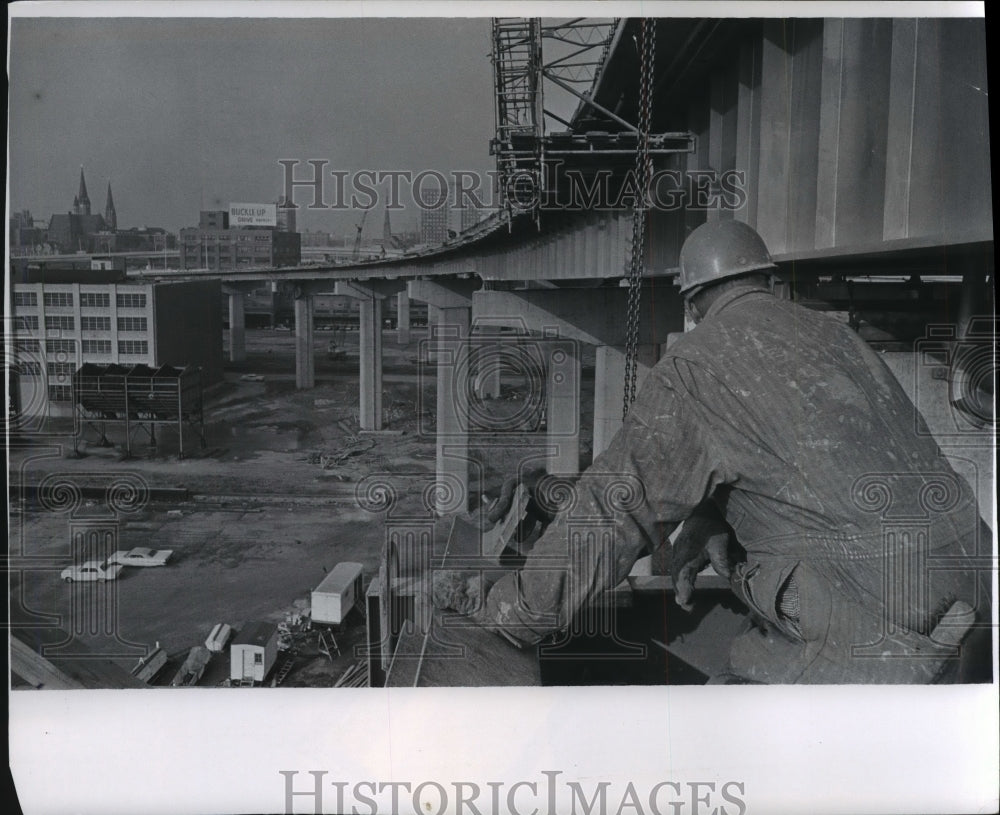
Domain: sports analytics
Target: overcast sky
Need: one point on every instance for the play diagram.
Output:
(182, 115)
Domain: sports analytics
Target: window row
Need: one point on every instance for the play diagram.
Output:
(96, 346)
(127, 347)
(59, 299)
(131, 301)
(131, 323)
(64, 299)
(53, 323)
(60, 323)
(95, 323)
(60, 393)
(89, 299)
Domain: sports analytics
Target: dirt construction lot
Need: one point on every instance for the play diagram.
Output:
(258, 516)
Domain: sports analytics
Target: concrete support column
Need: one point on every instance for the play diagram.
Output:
(369, 295)
(488, 375)
(237, 328)
(450, 306)
(403, 318)
(370, 412)
(452, 458)
(562, 417)
(305, 363)
(609, 388)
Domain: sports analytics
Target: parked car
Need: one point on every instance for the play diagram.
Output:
(252, 378)
(141, 556)
(90, 571)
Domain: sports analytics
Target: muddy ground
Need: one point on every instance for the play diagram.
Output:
(270, 502)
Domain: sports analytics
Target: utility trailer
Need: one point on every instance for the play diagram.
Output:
(340, 591)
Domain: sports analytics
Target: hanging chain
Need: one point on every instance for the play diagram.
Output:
(647, 54)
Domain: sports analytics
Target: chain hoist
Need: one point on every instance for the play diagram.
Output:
(647, 54)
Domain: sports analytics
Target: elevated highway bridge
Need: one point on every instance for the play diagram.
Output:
(874, 201)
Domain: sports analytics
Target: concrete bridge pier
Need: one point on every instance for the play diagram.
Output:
(487, 383)
(451, 304)
(592, 316)
(305, 352)
(370, 297)
(403, 318)
(237, 327)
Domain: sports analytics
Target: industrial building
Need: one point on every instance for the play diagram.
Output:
(217, 246)
(66, 317)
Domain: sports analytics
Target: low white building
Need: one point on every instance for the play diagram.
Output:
(253, 652)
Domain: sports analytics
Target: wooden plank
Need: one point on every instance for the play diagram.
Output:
(82, 668)
(899, 151)
(457, 653)
(707, 579)
(376, 628)
(37, 671)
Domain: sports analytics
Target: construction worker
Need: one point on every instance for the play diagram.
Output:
(861, 541)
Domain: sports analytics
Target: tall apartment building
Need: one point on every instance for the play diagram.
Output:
(59, 326)
(433, 216)
(214, 245)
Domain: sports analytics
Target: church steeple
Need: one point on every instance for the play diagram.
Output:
(110, 216)
(386, 230)
(83, 199)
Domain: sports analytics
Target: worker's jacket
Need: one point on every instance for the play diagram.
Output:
(855, 525)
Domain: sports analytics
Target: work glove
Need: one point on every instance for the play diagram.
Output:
(460, 591)
(501, 506)
(705, 538)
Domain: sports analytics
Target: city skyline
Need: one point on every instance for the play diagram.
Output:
(188, 114)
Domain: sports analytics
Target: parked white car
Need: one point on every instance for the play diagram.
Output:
(92, 570)
(141, 556)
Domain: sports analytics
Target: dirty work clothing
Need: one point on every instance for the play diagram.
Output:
(848, 511)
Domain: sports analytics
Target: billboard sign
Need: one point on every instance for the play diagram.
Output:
(253, 215)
